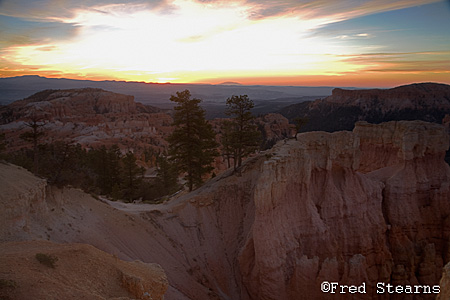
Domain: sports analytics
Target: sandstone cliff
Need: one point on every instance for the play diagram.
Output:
(330, 221)
(364, 206)
(413, 96)
(421, 101)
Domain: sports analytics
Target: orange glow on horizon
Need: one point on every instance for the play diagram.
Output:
(380, 80)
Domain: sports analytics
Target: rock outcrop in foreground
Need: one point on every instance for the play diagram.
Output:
(366, 206)
(80, 272)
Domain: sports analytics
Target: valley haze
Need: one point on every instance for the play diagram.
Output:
(158, 94)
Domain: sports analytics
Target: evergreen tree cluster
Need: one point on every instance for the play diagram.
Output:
(106, 171)
(193, 146)
(102, 171)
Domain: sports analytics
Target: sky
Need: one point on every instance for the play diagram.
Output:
(357, 43)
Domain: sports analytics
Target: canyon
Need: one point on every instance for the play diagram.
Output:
(362, 206)
(94, 117)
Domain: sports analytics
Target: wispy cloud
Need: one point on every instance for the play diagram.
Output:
(25, 32)
(40, 10)
(354, 36)
(329, 9)
(256, 9)
(404, 62)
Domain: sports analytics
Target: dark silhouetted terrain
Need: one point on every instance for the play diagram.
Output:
(422, 101)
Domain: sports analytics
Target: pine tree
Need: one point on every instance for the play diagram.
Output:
(36, 123)
(131, 176)
(58, 161)
(228, 151)
(244, 137)
(167, 177)
(106, 164)
(192, 145)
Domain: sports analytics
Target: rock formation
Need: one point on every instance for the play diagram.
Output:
(275, 128)
(357, 207)
(421, 101)
(414, 96)
(90, 117)
(444, 284)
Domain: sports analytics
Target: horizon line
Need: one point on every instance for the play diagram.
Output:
(225, 83)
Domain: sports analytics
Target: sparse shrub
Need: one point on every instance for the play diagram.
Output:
(7, 287)
(47, 259)
(7, 284)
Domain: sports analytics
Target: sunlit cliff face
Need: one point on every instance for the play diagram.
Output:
(282, 42)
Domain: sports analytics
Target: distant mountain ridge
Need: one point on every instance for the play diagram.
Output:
(230, 83)
(16, 88)
(420, 101)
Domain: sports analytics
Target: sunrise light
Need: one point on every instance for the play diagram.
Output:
(192, 41)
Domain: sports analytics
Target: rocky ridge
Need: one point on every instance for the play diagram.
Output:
(413, 96)
(320, 208)
(421, 101)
